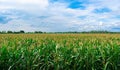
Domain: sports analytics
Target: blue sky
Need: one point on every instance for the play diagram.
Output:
(59, 15)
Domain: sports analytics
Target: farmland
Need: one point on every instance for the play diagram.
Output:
(59, 51)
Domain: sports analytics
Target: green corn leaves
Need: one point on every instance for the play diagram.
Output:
(60, 52)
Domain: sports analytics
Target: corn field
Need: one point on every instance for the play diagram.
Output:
(59, 51)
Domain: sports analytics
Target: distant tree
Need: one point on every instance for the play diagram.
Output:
(30, 32)
(22, 31)
(98, 31)
(9, 32)
(16, 32)
(38, 32)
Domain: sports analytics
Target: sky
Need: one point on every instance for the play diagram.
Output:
(59, 15)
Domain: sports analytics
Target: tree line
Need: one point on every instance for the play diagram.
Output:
(40, 32)
(18, 32)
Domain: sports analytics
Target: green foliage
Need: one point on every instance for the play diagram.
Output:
(60, 52)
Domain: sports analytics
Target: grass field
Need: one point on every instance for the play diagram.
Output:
(59, 51)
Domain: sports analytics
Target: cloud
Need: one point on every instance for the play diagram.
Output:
(102, 10)
(25, 5)
(59, 15)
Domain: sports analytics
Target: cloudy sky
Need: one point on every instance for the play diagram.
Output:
(59, 15)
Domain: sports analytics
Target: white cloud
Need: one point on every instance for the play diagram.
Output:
(57, 16)
(25, 5)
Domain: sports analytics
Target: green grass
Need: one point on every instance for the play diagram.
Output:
(60, 52)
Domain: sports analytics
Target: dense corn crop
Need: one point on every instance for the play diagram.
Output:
(59, 52)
